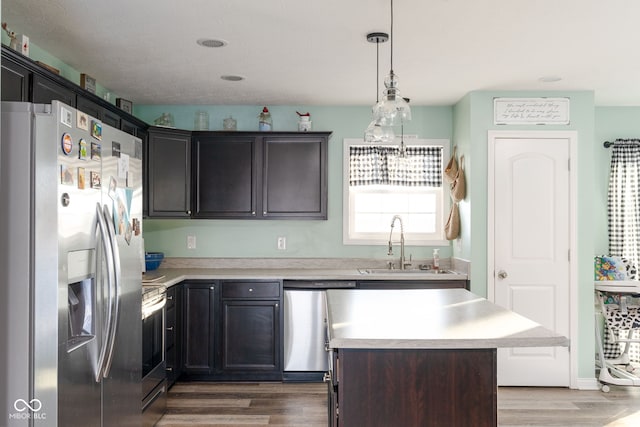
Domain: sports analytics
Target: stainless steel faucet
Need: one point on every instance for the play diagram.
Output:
(393, 221)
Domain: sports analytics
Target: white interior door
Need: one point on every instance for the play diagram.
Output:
(531, 249)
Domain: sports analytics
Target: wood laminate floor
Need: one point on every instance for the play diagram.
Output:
(305, 405)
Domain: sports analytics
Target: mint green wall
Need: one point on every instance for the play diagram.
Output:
(462, 139)
(305, 239)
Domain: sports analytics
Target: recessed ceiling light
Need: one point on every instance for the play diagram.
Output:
(232, 78)
(549, 79)
(212, 42)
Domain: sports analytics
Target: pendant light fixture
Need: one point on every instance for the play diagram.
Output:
(378, 131)
(393, 108)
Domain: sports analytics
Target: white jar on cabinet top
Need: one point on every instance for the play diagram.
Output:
(304, 124)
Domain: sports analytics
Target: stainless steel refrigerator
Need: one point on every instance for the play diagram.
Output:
(71, 257)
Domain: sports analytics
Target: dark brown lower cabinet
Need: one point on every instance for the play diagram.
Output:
(251, 330)
(415, 387)
(199, 328)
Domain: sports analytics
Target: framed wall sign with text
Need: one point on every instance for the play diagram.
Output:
(531, 111)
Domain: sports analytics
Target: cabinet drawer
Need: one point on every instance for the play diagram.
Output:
(250, 289)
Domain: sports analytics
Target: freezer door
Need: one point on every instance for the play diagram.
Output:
(82, 271)
(28, 267)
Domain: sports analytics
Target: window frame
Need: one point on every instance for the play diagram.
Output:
(346, 202)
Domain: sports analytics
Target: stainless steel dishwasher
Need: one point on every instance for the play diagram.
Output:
(305, 328)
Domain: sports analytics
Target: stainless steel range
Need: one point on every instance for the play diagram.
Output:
(154, 376)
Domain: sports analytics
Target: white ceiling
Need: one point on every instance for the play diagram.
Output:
(297, 52)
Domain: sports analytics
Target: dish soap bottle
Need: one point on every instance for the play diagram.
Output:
(265, 123)
(436, 259)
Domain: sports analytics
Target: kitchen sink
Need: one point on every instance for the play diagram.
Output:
(374, 271)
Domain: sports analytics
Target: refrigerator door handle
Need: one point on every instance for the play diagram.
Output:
(106, 243)
(115, 253)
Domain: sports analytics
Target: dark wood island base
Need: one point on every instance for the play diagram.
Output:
(414, 387)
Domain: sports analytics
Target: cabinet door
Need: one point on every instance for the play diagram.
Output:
(144, 137)
(295, 177)
(173, 333)
(128, 127)
(225, 178)
(44, 91)
(199, 328)
(110, 118)
(88, 107)
(99, 112)
(15, 81)
(251, 335)
(169, 173)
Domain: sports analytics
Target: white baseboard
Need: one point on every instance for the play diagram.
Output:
(587, 384)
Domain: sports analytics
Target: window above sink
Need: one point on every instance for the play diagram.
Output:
(377, 186)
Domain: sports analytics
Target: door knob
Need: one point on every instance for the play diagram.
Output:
(502, 274)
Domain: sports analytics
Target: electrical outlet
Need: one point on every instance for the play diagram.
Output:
(282, 243)
(191, 242)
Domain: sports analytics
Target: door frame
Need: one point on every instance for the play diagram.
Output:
(572, 136)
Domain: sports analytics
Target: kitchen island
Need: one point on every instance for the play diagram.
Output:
(420, 357)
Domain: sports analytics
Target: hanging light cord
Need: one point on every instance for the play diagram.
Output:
(392, 37)
(377, 68)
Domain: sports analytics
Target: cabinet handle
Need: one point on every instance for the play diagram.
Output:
(250, 289)
(264, 212)
(169, 369)
(253, 213)
(188, 212)
(211, 287)
(170, 328)
(170, 297)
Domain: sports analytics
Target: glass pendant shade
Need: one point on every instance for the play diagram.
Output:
(393, 108)
(377, 132)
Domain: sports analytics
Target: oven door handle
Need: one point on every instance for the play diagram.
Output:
(148, 310)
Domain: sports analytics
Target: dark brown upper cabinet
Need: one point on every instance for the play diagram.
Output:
(225, 176)
(16, 81)
(169, 173)
(249, 175)
(294, 176)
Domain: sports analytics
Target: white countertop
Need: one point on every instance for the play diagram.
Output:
(428, 319)
(177, 275)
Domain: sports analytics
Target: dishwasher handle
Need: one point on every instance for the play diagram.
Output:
(317, 284)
